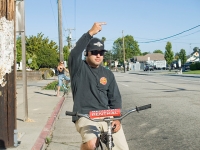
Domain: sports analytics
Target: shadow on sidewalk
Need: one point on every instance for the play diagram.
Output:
(20, 119)
(45, 94)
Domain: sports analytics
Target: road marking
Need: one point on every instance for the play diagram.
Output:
(123, 84)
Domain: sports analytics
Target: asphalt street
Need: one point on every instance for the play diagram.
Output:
(172, 122)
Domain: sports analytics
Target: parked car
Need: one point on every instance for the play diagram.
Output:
(186, 66)
(148, 68)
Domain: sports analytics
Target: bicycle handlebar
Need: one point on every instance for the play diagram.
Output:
(143, 107)
(71, 113)
(108, 118)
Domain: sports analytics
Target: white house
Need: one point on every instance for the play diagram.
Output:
(194, 57)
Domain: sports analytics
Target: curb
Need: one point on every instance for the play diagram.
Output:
(40, 143)
(180, 75)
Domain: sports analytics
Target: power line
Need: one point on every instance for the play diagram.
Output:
(65, 20)
(53, 12)
(171, 36)
(186, 35)
(75, 17)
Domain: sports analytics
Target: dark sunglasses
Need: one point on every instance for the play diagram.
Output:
(96, 52)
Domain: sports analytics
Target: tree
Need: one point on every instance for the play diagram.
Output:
(195, 49)
(47, 58)
(66, 52)
(143, 54)
(35, 45)
(158, 51)
(176, 56)
(108, 57)
(182, 56)
(19, 49)
(130, 45)
(117, 50)
(103, 39)
(169, 54)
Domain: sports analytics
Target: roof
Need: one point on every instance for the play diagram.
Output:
(153, 56)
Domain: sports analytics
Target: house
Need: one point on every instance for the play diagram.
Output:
(149, 57)
(155, 59)
(194, 57)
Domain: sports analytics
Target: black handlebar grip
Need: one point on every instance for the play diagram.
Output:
(70, 113)
(143, 107)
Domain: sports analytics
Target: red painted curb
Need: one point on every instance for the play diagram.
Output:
(47, 128)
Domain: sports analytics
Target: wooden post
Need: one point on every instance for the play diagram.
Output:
(60, 30)
(123, 51)
(8, 85)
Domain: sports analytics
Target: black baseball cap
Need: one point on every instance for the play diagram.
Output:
(95, 44)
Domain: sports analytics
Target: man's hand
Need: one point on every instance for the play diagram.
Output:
(117, 125)
(96, 28)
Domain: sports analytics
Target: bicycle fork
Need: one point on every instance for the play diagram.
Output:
(109, 143)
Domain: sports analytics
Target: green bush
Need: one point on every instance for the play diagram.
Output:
(51, 85)
(195, 66)
(192, 66)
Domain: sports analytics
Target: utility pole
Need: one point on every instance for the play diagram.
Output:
(123, 51)
(7, 74)
(110, 59)
(20, 29)
(190, 52)
(69, 39)
(60, 30)
(25, 97)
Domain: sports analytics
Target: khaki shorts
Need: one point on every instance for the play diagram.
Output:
(90, 129)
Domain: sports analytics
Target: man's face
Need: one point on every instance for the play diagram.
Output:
(95, 57)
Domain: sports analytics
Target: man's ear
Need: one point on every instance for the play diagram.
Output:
(85, 53)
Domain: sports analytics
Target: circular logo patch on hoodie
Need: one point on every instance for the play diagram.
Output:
(103, 80)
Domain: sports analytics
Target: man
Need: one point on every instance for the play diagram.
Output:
(61, 74)
(93, 88)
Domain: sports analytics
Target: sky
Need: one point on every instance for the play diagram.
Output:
(152, 23)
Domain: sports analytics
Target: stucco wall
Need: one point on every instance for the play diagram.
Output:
(6, 48)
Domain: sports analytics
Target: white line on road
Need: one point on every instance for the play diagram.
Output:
(123, 84)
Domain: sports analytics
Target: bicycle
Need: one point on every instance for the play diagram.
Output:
(106, 137)
(64, 89)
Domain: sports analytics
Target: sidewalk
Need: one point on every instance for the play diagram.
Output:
(43, 108)
(65, 136)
